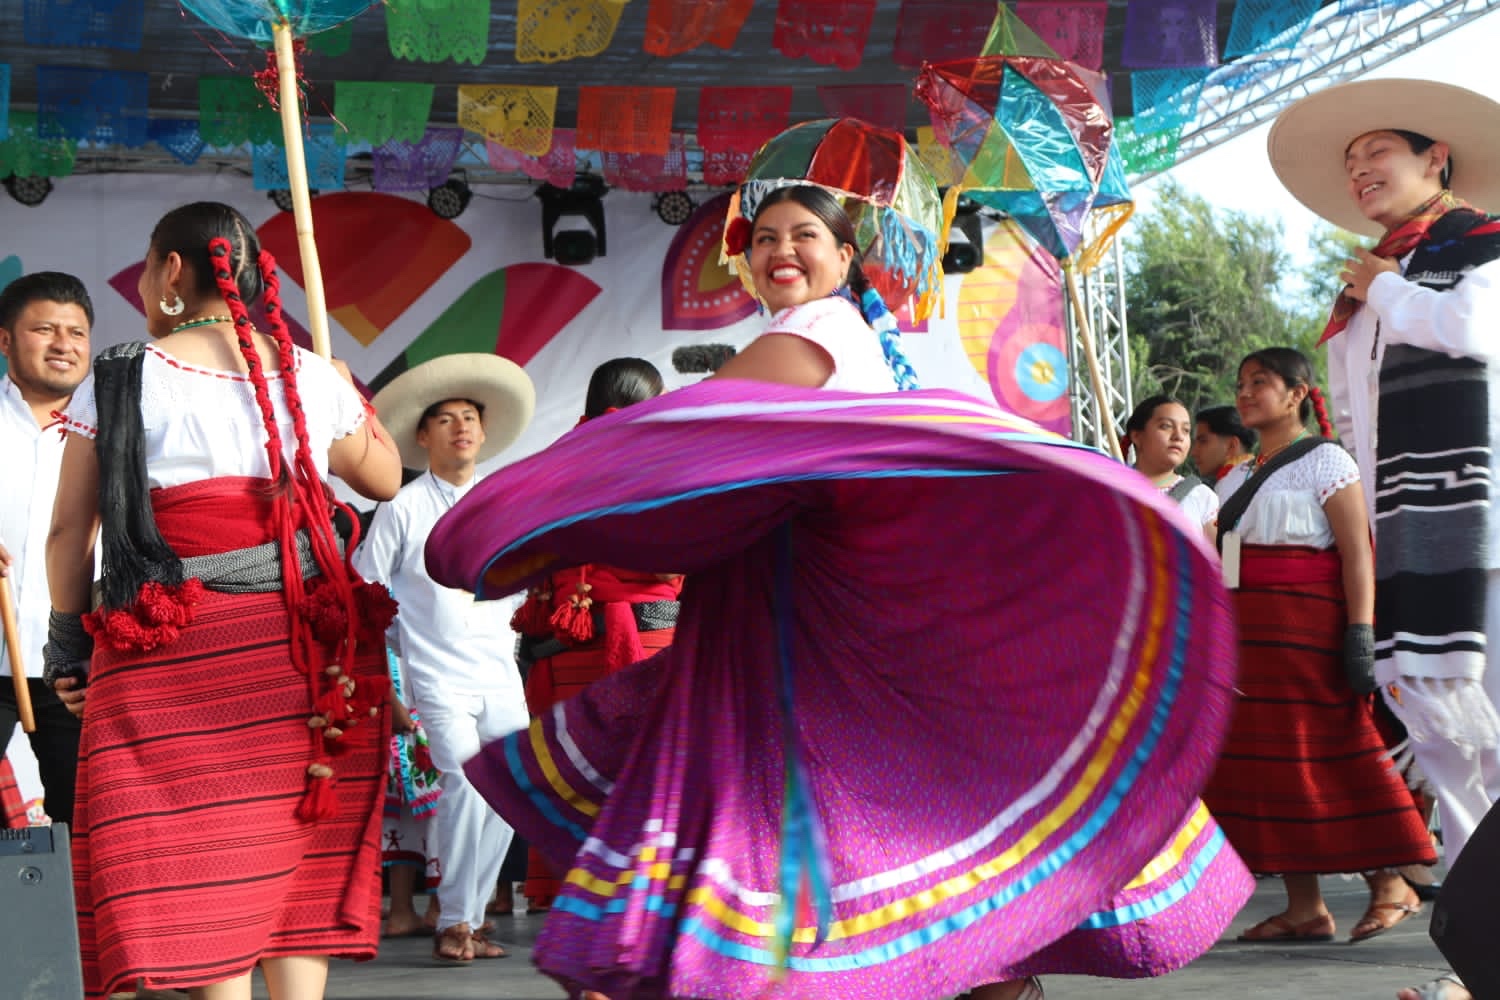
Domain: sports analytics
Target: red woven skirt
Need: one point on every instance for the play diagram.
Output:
(12, 805)
(555, 679)
(1304, 784)
(189, 863)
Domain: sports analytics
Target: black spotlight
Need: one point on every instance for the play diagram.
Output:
(283, 197)
(449, 199)
(574, 247)
(29, 191)
(965, 255)
(585, 198)
(674, 207)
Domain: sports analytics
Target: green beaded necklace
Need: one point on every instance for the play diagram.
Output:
(205, 321)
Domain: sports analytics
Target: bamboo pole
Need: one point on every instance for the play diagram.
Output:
(296, 172)
(17, 660)
(1086, 335)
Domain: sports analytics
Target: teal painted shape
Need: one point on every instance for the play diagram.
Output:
(10, 270)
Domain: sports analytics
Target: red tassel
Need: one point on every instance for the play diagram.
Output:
(574, 621)
(318, 802)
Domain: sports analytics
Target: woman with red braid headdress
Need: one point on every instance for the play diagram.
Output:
(1304, 786)
(231, 772)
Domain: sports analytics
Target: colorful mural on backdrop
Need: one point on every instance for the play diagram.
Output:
(10, 270)
(698, 292)
(513, 312)
(378, 253)
(1010, 320)
(404, 285)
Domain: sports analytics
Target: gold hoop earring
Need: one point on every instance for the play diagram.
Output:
(177, 306)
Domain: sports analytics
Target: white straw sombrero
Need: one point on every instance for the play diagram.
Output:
(1308, 141)
(500, 385)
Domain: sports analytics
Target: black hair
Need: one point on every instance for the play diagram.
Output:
(832, 214)
(1293, 368)
(432, 410)
(1141, 415)
(1225, 422)
(43, 286)
(620, 382)
(187, 232)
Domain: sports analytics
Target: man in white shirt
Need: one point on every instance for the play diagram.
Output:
(45, 319)
(1414, 369)
(449, 415)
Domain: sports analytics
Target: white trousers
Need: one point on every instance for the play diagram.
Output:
(1465, 787)
(468, 836)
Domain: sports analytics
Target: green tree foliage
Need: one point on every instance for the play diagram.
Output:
(1204, 288)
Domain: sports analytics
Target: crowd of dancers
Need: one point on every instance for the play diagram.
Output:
(805, 715)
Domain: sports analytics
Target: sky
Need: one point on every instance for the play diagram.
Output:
(1237, 174)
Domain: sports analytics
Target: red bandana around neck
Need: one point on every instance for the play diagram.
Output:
(1395, 244)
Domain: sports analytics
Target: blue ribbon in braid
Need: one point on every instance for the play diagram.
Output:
(872, 307)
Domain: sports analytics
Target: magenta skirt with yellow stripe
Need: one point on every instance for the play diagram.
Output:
(942, 686)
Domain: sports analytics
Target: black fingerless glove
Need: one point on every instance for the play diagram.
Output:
(68, 650)
(1359, 657)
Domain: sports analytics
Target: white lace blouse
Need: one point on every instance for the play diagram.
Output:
(1288, 509)
(202, 423)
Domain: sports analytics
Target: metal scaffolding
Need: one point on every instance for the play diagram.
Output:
(1346, 40)
(1103, 291)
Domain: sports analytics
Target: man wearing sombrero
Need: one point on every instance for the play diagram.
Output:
(1414, 368)
(447, 416)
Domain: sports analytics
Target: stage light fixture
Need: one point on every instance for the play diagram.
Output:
(964, 255)
(283, 197)
(574, 247)
(585, 199)
(449, 199)
(674, 207)
(30, 191)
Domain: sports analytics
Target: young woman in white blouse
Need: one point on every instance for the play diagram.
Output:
(1304, 785)
(232, 766)
(1160, 432)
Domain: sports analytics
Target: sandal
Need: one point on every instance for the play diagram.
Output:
(1419, 878)
(1445, 987)
(453, 945)
(1280, 930)
(1377, 924)
(481, 946)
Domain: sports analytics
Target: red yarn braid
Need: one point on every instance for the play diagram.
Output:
(1320, 409)
(220, 254)
(303, 503)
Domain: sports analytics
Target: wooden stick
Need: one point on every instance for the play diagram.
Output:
(17, 660)
(1086, 335)
(296, 173)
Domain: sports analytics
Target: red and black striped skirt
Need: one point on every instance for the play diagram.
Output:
(1304, 784)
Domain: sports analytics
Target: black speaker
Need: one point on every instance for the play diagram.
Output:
(1463, 918)
(38, 925)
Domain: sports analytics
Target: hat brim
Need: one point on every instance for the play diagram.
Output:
(1308, 141)
(498, 384)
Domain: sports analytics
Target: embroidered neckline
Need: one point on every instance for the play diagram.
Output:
(181, 365)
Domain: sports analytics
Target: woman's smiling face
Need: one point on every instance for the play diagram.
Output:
(794, 257)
